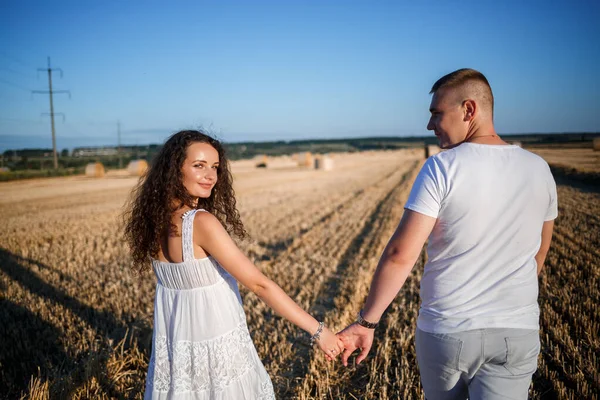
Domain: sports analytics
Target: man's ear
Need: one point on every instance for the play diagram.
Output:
(470, 108)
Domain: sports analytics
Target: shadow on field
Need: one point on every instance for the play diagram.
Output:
(34, 342)
(28, 342)
(585, 181)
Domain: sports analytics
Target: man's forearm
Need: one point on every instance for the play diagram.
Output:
(396, 262)
(387, 282)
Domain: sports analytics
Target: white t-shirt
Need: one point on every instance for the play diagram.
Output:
(490, 202)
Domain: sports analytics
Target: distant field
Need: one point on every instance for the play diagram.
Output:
(583, 159)
(76, 323)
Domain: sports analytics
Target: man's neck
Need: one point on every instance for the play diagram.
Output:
(483, 135)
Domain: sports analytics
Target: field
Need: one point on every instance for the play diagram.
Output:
(75, 322)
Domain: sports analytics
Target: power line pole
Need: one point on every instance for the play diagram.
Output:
(119, 144)
(52, 113)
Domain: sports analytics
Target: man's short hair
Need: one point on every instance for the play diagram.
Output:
(473, 82)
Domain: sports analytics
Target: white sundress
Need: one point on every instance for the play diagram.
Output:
(201, 347)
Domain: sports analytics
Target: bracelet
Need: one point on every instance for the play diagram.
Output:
(317, 334)
(363, 322)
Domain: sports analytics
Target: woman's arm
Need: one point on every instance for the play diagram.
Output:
(215, 240)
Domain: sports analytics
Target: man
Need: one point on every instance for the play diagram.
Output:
(487, 208)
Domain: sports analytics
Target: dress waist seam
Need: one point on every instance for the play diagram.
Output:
(219, 282)
(241, 325)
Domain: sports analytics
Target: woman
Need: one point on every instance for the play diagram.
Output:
(178, 221)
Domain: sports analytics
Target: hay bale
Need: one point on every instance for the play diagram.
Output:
(305, 159)
(137, 167)
(94, 170)
(515, 143)
(597, 143)
(262, 161)
(324, 163)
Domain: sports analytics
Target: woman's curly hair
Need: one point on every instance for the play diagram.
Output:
(160, 192)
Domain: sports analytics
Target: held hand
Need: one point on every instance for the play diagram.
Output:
(356, 337)
(330, 344)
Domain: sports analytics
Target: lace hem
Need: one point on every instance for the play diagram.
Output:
(186, 366)
(266, 391)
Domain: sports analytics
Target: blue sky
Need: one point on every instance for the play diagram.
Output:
(281, 70)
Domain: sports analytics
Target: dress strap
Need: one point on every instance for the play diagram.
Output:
(187, 234)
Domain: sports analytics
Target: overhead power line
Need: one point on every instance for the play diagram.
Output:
(14, 85)
(15, 59)
(14, 71)
(28, 121)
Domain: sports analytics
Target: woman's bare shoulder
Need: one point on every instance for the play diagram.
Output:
(205, 222)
